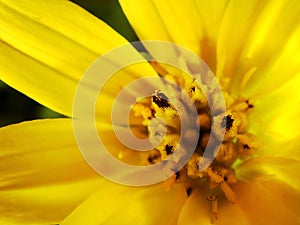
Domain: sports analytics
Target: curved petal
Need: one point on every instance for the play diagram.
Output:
(43, 175)
(262, 205)
(192, 24)
(46, 46)
(40, 152)
(166, 21)
(116, 204)
(211, 14)
(48, 204)
(286, 194)
(257, 203)
(275, 117)
(258, 47)
(277, 147)
(198, 210)
(281, 169)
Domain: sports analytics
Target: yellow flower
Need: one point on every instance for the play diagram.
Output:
(251, 46)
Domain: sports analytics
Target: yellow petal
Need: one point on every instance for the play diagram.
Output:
(211, 15)
(48, 204)
(257, 203)
(116, 204)
(41, 152)
(183, 22)
(287, 195)
(275, 115)
(43, 176)
(281, 169)
(166, 21)
(46, 46)
(274, 146)
(262, 206)
(259, 45)
(198, 210)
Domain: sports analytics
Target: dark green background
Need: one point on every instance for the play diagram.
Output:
(16, 107)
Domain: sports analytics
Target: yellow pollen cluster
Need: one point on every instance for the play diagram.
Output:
(237, 143)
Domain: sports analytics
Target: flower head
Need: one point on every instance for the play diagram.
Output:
(248, 119)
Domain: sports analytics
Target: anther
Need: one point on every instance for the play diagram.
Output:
(227, 122)
(169, 149)
(161, 102)
(189, 191)
(249, 104)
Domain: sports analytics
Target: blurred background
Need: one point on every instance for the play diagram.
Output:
(16, 107)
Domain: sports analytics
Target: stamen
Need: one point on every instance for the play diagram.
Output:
(154, 157)
(249, 104)
(227, 122)
(227, 154)
(214, 205)
(204, 122)
(162, 120)
(161, 100)
(230, 195)
(214, 177)
(189, 191)
(169, 149)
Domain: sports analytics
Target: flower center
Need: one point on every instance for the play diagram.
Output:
(236, 145)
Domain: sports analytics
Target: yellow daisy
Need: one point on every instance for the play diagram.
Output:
(251, 46)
